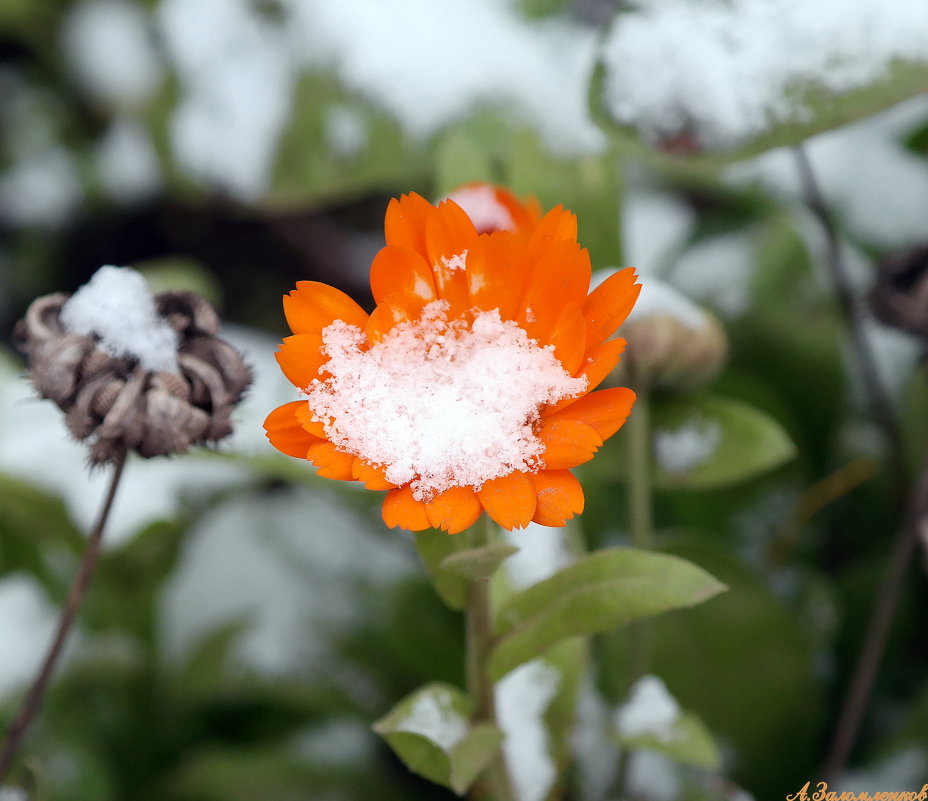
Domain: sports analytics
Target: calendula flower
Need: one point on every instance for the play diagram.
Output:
(469, 387)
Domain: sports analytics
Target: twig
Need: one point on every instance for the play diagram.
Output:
(33, 700)
(851, 311)
(884, 609)
(859, 692)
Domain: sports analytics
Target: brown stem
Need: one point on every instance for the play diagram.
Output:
(858, 695)
(877, 397)
(33, 700)
(871, 654)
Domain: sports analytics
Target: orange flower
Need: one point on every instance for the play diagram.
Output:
(468, 388)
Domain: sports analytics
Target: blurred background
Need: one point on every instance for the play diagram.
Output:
(249, 621)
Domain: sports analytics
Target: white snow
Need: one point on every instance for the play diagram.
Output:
(433, 715)
(900, 772)
(654, 226)
(483, 208)
(40, 189)
(658, 298)
(289, 565)
(126, 161)
(722, 70)
(13, 794)
(27, 623)
(542, 552)
(687, 446)
(593, 744)
(110, 48)
(237, 78)
(650, 710)
(116, 306)
(718, 272)
(439, 403)
(431, 63)
(653, 776)
(522, 697)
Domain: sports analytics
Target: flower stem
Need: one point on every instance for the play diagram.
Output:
(496, 784)
(33, 700)
(641, 514)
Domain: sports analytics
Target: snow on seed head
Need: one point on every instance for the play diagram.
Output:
(116, 307)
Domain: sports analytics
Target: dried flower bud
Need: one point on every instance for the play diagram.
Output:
(900, 296)
(115, 402)
(672, 343)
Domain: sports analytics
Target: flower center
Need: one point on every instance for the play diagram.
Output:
(440, 403)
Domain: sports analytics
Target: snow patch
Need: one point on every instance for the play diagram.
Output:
(721, 70)
(440, 403)
(483, 207)
(688, 446)
(40, 189)
(658, 298)
(650, 710)
(522, 697)
(110, 48)
(27, 622)
(542, 552)
(433, 715)
(345, 131)
(127, 162)
(718, 273)
(116, 307)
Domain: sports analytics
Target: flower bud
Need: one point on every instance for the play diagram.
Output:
(117, 398)
(673, 344)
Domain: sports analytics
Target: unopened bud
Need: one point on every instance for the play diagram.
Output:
(116, 401)
(672, 343)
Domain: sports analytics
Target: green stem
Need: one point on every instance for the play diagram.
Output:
(641, 514)
(496, 784)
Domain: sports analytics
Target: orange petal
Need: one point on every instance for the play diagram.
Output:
(497, 273)
(609, 304)
(509, 500)
(568, 338)
(300, 358)
(315, 427)
(561, 275)
(400, 307)
(598, 363)
(567, 443)
(604, 411)
(454, 509)
(397, 269)
(404, 223)
(401, 509)
(312, 306)
(560, 497)
(371, 475)
(557, 224)
(331, 462)
(285, 432)
(449, 236)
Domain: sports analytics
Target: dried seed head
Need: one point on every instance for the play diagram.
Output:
(113, 403)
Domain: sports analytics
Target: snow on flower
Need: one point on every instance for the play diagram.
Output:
(469, 386)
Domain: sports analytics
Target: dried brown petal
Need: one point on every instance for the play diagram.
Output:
(113, 404)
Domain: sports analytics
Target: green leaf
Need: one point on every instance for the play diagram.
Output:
(459, 159)
(430, 732)
(434, 548)
(688, 741)
(478, 563)
(709, 441)
(600, 592)
(815, 108)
